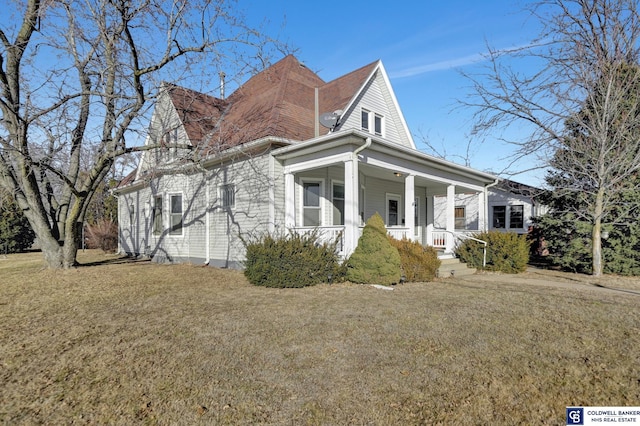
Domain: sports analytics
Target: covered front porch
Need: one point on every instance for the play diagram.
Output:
(335, 183)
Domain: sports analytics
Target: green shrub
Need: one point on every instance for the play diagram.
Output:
(16, 234)
(419, 263)
(506, 251)
(375, 260)
(293, 260)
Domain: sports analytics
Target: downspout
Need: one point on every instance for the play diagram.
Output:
(207, 222)
(351, 238)
(358, 150)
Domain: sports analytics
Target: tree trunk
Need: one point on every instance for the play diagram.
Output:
(596, 235)
(51, 250)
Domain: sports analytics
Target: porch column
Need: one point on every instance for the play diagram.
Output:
(289, 201)
(450, 224)
(482, 211)
(409, 201)
(351, 221)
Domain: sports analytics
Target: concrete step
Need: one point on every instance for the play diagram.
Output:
(453, 268)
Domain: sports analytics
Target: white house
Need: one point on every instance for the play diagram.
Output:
(511, 207)
(288, 152)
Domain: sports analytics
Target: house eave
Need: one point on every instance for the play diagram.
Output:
(379, 144)
(226, 155)
(247, 149)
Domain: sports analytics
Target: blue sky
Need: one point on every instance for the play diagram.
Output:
(423, 46)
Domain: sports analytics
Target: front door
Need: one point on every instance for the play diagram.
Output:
(393, 210)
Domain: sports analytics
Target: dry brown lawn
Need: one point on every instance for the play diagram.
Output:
(119, 342)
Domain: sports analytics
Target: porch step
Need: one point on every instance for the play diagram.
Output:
(453, 268)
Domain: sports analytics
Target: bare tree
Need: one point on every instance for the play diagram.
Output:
(572, 98)
(78, 77)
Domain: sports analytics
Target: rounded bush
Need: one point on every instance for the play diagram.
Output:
(419, 263)
(291, 261)
(506, 252)
(375, 260)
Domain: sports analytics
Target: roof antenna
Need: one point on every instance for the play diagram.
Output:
(222, 76)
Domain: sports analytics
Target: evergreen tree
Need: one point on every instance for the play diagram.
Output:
(375, 260)
(594, 180)
(16, 234)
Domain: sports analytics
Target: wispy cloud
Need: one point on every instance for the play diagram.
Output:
(456, 62)
(438, 66)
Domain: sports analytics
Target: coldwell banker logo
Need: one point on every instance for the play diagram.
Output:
(574, 416)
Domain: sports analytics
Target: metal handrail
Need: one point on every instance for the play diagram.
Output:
(484, 243)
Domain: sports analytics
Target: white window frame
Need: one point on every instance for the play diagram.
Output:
(493, 216)
(335, 183)
(510, 212)
(157, 218)
(396, 197)
(377, 116)
(321, 196)
(172, 215)
(464, 217)
(372, 118)
(365, 112)
(227, 195)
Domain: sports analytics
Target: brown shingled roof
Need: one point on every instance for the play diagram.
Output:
(199, 113)
(337, 93)
(279, 102)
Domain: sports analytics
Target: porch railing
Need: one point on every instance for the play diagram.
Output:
(399, 233)
(457, 237)
(327, 234)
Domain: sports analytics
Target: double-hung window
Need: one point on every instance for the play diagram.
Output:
(365, 119)
(338, 203)
(377, 124)
(499, 217)
(372, 122)
(516, 216)
(460, 218)
(311, 208)
(511, 216)
(175, 218)
(158, 226)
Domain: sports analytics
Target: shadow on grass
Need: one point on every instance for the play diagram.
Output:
(622, 290)
(115, 261)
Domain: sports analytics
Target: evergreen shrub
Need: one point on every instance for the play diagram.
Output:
(506, 252)
(291, 261)
(375, 260)
(419, 263)
(16, 234)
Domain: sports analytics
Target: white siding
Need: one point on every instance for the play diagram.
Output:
(502, 198)
(165, 120)
(376, 191)
(471, 204)
(249, 215)
(377, 98)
